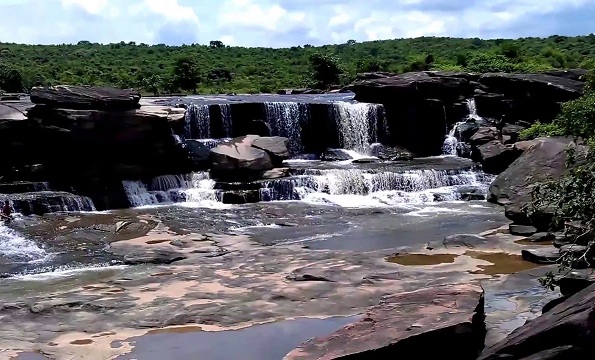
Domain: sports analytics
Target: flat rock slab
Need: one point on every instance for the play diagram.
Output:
(441, 322)
(543, 255)
(568, 324)
(85, 97)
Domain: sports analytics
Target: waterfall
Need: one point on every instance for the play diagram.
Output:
(451, 142)
(14, 246)
(359, 124)
(168, 189)
(226, 120)
(198, 122)
(387, 188)
(285, 119)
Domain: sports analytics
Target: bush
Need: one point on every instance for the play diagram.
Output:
(538, 129)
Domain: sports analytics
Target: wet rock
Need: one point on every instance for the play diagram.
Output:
(471, 194)
(522, 230)
(405, 324)
(275, 173)
(365, 160)
(544, 159)
(85, 97)
(513, 131)
(239, 197)
(335, 155)
(23, 187)
(574, 281)
(197, 152)
(552, 304)
(484, 135)
(541, 237)
(275, 146)
(464, 240)
(543, 255)
(467, 129)
(383, 152)
(573, 250)
(157, 257)
(240, 155)
(567, 352)
(44, 202)
(494, 156)
(296, 276)
(568, 324)
(562, 239)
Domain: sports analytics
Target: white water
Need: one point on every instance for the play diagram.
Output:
(358, 125)
(14, 246)
(285, 119)
(195, 190)
(451, 142)
(356, 188)
(226, 120)
(197, 122)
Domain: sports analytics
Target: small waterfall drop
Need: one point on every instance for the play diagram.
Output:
(358, 125)
(14, 246)
(196, 188)
(285, 119)
(451, 142)
(197, 122)
(226, 120)
(351, 187)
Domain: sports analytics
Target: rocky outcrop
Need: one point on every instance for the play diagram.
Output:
(85, 97)
(545, 158)
(565, 332)
(494, 156)
(43, 202)
(450, 318)
(248, 158)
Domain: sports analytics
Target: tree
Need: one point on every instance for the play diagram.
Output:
(186, 74)
(326, 70)
(153, 84)
(216, 44)
(11, 79)
(351, 42)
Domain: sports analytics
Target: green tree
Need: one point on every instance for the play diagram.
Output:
(11, 79)
(153, 83)
(186, 73)
(326, 70)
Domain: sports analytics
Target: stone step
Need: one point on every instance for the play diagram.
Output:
(23, 187)
(43, 202)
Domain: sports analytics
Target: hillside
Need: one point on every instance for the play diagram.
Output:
(217, 68)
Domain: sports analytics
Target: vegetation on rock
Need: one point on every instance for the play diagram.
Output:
(216, 68)
(571, 199)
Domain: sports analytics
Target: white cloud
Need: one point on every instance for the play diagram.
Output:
(285, 22)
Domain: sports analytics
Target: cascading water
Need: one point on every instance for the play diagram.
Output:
(226, 120)
(285, 119)
(198, 122)
(195, 188)
(361, 188)
(451, 142)
(358, 125)
(16, 247)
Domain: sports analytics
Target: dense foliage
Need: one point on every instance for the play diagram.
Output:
(572, 198)
(216, 68)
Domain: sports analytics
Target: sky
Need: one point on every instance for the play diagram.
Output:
(284, 23)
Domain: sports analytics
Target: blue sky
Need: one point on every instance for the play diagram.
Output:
(280, 23)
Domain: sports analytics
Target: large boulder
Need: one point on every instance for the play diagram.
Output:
(484, 135)
(85, 97)
(275, 146)
(494, 156)
(544, 159)
(568, 325)
(436, 323)
(239, 155)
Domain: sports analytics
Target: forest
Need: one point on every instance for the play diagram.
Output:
(217, 68)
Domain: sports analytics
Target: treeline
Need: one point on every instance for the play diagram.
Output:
(217, 68)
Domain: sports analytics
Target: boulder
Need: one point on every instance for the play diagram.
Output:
(198, 152)
(484, 135)
(541, 255)
(384, 152)
(569, 325)
(541, 237)
(521, 230)
(85, 97)
(450, 318)
(513, 131)
(545, 158)
(470, 241)
(275, 146)
(494, 156)
(574, 281)
(240, 155)
(543, 86)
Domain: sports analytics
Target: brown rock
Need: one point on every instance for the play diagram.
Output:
(570, 324)
(85, 97)
(484, 135)
(441, 322)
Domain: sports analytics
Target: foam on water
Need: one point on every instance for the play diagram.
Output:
(15, 246)
(67, 272)
(451, 142)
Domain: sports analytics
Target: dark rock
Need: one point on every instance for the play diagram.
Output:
(543, 255)
(197, 151)
(507, 139)
(484, 135)
(570, 324)
(567, 352)
(306, 277)
(85, 97)
(572, 74)
(521, 230)
(44, 202)
(260, 128)
(562, 239)
(558, 89)
(275, 146)
(405, 324)
(545, 158)
(335, 155)
(494, 156)
(573, 249)
(157, 257)
(23, 187)
(513, 131)
(467, 130)
(471, 194)
(365, 160)
(541, 237)
(464, 240)
(552, 304)
(574, 281)
(239, 197)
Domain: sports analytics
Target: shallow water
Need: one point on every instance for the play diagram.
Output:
(260, 342)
